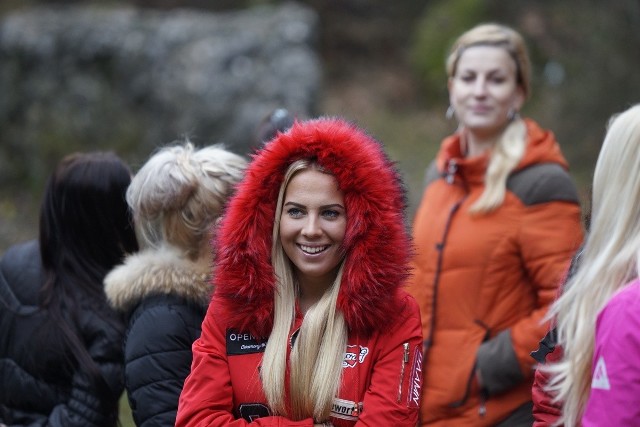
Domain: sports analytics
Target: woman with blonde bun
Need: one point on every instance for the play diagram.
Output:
(163, 290)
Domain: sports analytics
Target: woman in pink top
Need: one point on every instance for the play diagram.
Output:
(598, 316)
(615, 373)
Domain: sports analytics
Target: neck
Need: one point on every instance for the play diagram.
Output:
(476, 145)
(310, 292)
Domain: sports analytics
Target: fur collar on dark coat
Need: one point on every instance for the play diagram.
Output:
(376, 241)
(156, 272)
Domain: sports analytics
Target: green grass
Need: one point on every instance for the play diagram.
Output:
(126, 420)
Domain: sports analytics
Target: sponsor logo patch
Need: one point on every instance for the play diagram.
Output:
(253, 411)
(345, 409)
(354, 354)
(415, 381)
(243, 343)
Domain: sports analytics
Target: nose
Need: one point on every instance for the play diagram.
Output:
(480, 87)
(311, 227)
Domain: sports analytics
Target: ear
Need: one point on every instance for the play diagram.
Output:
(519, 99)
(449, 88)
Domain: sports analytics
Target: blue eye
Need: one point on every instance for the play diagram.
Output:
(294, 212)
(331, 214)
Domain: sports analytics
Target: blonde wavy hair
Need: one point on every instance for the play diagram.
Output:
(316, 357)
(510, 147)
(609, 261)
(178, 194)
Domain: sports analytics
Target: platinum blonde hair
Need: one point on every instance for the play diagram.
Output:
(510, 147)
(609, 261)
(178, 194)
(317, 356)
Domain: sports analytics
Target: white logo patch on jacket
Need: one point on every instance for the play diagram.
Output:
(345, 409)
(600, 377)
(352, 356)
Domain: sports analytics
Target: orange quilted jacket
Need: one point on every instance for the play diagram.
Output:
(484, 282)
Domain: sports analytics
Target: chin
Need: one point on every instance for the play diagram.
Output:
(483, 126)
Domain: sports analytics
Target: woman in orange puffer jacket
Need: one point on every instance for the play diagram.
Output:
(496, 228)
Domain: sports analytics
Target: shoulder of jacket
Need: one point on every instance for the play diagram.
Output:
(153, 272)
(20, 277)
(20, 257)
(406, 306)
(626, 299)
(161, 307)
(541, 183)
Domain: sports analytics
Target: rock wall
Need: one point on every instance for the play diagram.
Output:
(131, 80)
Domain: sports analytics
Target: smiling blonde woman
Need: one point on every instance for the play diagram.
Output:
(495, 230)
(309, 325)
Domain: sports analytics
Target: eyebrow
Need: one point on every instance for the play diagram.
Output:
(490, 71)
(333, 205)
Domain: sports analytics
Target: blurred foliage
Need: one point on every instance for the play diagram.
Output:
(436, 31)
(384, 68)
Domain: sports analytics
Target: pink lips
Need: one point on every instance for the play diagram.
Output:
(480, 109)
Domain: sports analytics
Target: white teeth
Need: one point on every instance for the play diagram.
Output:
(313, 250)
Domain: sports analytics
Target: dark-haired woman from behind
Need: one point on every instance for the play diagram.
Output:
(61, 359)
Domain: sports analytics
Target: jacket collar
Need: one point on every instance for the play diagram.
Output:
(542, 147)
(158, 271)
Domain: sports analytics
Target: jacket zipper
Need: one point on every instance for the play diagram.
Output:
(405, 360)
(449, 178)
(436, 278)
(452, 168)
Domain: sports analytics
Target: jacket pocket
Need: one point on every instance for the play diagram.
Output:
(468, 390)
(472, 388)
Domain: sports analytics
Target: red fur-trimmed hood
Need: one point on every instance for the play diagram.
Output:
(376, 242)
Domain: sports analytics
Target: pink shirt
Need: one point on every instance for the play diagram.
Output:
(615, 387)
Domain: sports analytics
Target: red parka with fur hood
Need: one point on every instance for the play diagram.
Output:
(381, 375)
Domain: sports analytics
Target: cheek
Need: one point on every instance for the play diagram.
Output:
(505, 97)
(338, 232)
(505, 94)
(455, 92)
(286, 230)
(459, 96)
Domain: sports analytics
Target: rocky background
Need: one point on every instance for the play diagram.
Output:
(83, 77)
(130, 76)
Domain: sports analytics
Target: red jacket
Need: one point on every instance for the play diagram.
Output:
(484, 282)
(225, 377)
(382, 365)
(546, 412)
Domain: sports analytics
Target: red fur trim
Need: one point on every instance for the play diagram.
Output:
(376, 242)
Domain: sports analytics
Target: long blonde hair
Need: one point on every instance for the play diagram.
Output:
(510, 147)
(316, 357)
(610, 260)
